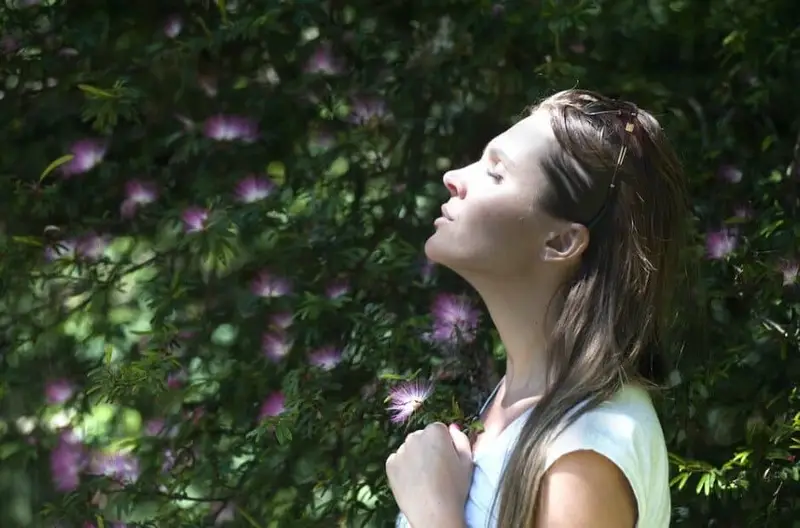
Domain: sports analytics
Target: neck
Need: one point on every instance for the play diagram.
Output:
(519, 311)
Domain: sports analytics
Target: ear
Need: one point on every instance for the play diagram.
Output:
(566, 245)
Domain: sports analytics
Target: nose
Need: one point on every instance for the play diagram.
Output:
(453, 185)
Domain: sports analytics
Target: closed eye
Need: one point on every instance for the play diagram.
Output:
(494, 175)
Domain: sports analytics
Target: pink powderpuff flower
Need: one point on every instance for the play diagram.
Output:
(325, 358)
(231, 128)
(455, 319)
(173, 26)
(730, 174)
(268, 285)
(790, 270)
(323, 61)
(67, 460)
(281, 321)
(91, 246)
(273, 405)
(175, 380)
(406, 398)
(253, 189)
(58, 391)
(720, 244)
(120, 467)
(62, 249)
(337, 289)
(367, 110)
(137, 193)
(275, 345)
(194, 219)
(87, 154)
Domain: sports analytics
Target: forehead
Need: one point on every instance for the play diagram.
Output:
(527, 141)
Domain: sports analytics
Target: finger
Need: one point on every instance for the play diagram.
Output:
(436, 429)
(460, 442)
(391, 460)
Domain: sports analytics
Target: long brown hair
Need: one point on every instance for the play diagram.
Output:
(615, 172)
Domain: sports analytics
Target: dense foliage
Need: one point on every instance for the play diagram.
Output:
(213, 215)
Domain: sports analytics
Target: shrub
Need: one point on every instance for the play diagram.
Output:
(213, 218)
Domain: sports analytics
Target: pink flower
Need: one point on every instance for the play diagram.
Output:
(67, 460)
(275, 345)
(338, 288)
(790, 270)
(62, 249)
(325, 358)
(59, 391)
(730, 174)
(281, 321)
(154, 427)
(137, 193)
(120, 467)
(367, 110)
(720, 244)
(88, 247)
(274, 405)
(91, 247)
(194, 219)
(231, 128)
(174, 26)
(406, 398)
(455, 319)
(175, 380)
(268, 285)
(323, 61)
(253, 189)
(87, 154)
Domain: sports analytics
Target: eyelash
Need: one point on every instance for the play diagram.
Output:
(495, 176)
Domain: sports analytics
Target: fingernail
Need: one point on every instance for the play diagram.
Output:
(455, 426)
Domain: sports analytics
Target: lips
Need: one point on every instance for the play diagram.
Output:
(445, 214)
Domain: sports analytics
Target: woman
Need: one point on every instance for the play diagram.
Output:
(569, 228)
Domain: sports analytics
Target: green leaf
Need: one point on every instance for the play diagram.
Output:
(248, 517)
(97, 92)
(54, 165)
(283, 434)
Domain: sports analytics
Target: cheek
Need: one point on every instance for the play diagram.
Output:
(504, 234)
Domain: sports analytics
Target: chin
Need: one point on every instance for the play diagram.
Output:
(444, 255)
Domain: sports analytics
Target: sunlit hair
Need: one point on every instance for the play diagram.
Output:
(614, 311)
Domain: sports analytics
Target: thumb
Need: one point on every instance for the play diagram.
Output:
(460, 441)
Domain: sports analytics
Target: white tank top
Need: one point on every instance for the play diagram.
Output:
(624, 429)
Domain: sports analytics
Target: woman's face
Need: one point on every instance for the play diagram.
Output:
(492, 223)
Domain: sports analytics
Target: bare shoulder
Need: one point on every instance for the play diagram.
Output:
(584, 488)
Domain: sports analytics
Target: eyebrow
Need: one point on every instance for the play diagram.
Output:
(498, 153)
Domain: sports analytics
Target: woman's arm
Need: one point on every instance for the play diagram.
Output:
(584, 488)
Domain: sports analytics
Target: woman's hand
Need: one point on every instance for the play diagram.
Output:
(430, 475)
